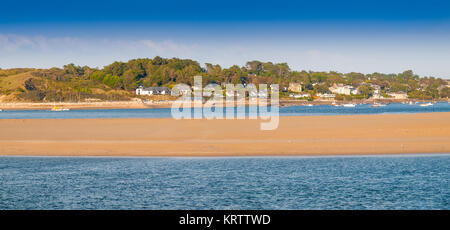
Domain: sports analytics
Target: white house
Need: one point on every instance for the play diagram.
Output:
(326, 95)
(152, 90)
(300, 95)
(343, 89)
(398, 95)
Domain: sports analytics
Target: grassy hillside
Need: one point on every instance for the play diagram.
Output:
(30, 85)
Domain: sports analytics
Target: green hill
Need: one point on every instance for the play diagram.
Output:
(118, 80)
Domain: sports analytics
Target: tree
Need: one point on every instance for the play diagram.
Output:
(445, 92)
(366, 90)
(73, 69)
(129, 79)
(112, 81)
(322, 88)
(116, 68)
(29, 85)
(97, 76)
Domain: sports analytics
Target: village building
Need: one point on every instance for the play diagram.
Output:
(295, 87)
(398, 95)
(376, 96)
(326, 95)
(376, 90)
(152, 90)
(343, 89)
(300, 95)
(261, 94)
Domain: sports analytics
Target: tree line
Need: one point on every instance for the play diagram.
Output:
(118, 80)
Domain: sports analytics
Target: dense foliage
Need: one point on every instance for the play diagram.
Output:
(118, 80)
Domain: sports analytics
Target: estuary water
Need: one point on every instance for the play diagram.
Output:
(350, 182)
(166, 112)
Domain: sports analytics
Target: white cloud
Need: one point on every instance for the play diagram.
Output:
(168, 46)
(12, 42)
(389, 57)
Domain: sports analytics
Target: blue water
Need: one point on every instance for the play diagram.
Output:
(375, 182)
(166, 112)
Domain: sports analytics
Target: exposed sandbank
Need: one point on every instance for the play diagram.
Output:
(305, 135)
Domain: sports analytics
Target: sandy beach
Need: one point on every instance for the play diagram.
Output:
(83, 105)
(141, 104)
(305, 135)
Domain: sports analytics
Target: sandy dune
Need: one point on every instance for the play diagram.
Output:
(307, 135)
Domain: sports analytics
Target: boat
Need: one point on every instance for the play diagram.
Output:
(349, 105)
(59, 109)
(309, 105)
(377, 105)
(427, 104)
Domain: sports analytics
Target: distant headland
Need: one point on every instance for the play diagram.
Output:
(114, 86)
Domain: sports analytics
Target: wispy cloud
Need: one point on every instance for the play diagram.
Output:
(12, 42)
(39, 51)
(167, 46)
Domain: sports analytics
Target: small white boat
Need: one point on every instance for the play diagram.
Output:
(349, 105)
(426, 104)
(1, 110)
(377, 105)
(59, 109)
(309, 105)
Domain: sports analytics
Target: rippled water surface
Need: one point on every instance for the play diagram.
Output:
(166, 112)
(375, 182)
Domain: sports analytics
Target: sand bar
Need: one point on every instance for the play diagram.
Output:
(303, 135)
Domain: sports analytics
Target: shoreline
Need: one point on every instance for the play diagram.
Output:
(420, 133)
(137, 104)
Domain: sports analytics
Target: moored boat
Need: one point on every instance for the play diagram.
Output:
(427, 104)
(59, 109)
(377, 105)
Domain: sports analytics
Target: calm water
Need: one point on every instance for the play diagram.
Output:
(166, 112)
(376, 182)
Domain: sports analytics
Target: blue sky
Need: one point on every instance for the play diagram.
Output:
(361, 36)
